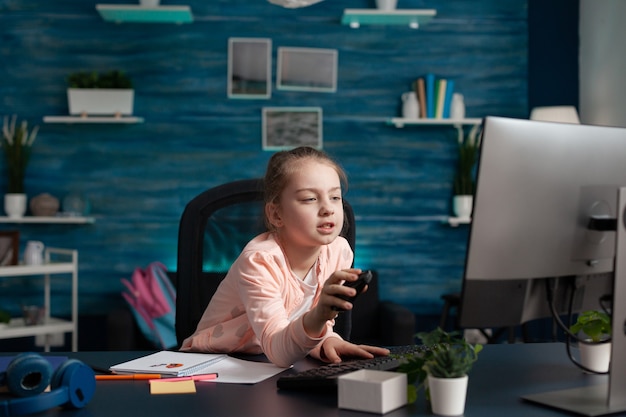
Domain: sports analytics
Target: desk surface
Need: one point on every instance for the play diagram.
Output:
(501, 376)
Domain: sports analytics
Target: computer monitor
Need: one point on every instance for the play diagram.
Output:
(538, 186)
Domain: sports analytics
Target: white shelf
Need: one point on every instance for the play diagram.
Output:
(413, 18)
(401, 122)
(50, 325)
(93, 119)
(46, 219)
(131, 13)
(455, 221)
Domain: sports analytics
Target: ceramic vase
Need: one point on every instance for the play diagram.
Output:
(15, 205)
(457, 107)
(386, 4)
(410, 105)
(462, 206)
(447, 395)
(596, 357)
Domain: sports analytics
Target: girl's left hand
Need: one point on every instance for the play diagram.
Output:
(334, 349)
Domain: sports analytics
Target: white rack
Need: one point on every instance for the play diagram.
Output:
(57, 261)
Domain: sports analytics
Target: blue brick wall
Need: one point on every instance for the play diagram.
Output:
(138, 178)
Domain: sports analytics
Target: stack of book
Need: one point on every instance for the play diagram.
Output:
(434, 95)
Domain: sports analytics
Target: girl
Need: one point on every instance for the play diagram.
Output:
(281, 294)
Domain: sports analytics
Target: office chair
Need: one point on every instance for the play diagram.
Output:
(214, 228)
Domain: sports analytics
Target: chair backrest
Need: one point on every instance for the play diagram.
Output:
(214, 228)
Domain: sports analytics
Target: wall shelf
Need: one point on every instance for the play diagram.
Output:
(413, 18)
(131, 13)
(455, 221)
(93, 119)
(48, 220)
(401, 122)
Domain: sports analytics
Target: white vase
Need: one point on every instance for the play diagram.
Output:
(457, 107)
(596, 357)
(462, 206)
(410, 105)
(447, 395)
(15, 205)
(386, 4)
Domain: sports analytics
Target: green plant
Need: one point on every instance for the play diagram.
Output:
(449, 356)
(468, 147)
(17, 143)
(594, 324)
(110, 79)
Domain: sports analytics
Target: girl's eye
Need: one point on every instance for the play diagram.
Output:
(336, 198)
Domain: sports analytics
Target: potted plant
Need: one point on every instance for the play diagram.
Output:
(16, 143)
(443, 370)
(106, 93)
(464, 182)
(595, 349)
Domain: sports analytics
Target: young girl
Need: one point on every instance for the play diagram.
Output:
(278, 297)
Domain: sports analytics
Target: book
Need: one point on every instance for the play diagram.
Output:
(430, 95)
(441, 86)
(170, 363)
(448, 99)
(421, 96)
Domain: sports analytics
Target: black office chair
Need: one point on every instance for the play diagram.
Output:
(214, 228)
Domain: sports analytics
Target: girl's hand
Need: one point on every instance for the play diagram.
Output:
(329, 303)
(333, 349)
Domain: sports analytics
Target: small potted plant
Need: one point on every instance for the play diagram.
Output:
(464, 182)
(106, 93)
(443, 370)
(16, 143)
(595, 349)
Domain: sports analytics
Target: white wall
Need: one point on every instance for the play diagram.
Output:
(603, 62)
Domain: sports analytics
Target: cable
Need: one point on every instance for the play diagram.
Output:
(568, 334)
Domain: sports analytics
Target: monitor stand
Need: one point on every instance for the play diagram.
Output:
(603, 399)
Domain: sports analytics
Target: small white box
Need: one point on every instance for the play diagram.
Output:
(372, 391)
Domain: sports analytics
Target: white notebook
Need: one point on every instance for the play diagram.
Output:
(170, 363)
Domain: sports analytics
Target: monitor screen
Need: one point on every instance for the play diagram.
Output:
(538, 186)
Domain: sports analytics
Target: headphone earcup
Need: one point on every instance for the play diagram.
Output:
(28, 374)
(79, 380)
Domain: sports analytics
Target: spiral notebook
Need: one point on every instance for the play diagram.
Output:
(170, 363)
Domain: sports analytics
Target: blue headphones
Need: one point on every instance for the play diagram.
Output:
(72, 385)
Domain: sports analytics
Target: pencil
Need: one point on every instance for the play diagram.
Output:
(127, 377)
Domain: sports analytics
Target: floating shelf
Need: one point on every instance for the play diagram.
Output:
(401, 122)
(93, 119)
(130, 13)
(413, 18)
(47, 219)
(455, 221)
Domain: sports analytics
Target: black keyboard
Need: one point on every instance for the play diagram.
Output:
(325, 376)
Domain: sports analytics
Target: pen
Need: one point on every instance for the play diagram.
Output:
(127, 377)
(204, 377)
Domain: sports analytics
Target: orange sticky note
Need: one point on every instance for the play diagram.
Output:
(180, 387)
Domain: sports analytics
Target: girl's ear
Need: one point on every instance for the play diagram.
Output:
(272, 213)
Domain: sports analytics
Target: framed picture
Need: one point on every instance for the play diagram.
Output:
(290, 127)
(249, 68)
(307, 69)
(9, 247)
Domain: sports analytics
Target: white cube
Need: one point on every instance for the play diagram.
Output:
(372, 391)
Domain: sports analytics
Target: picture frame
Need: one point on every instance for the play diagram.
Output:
(249, 68)
(307, 69)
(9, 247)
(290, 127)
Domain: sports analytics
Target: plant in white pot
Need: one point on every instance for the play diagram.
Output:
(103, 94)
(16, 143)
(464, 181)
(595, 349)
(443, 370)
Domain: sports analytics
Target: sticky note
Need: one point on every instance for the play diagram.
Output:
(179, 387)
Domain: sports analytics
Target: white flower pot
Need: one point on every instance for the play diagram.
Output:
(596, 357)
(462, 206)
(100, 101)
(15, 205)
(447, 395)
(386, 4)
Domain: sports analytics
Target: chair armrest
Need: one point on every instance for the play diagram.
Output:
(397, 324)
